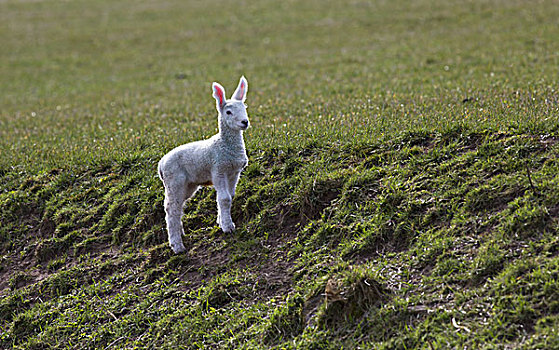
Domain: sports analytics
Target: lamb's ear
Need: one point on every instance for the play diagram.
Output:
(219, 95)
(241, 92)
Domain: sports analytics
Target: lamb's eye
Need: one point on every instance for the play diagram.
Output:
(229, 112)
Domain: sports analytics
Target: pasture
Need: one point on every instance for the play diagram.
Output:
(402, 188)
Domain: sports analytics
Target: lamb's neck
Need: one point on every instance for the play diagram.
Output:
(234, 138)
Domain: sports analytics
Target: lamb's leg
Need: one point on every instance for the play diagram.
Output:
(221, 184)
(233, 179)
(175, 195)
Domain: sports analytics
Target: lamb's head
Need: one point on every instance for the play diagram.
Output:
(232, 112)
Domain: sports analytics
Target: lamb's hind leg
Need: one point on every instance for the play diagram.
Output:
(176, 192)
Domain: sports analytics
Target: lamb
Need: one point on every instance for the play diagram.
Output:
(216, 161)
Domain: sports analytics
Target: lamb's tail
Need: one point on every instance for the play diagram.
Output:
(159, 171)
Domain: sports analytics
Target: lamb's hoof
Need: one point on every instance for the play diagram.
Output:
(178, 248)
(228, 228)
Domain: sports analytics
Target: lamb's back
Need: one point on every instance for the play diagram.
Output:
(193, 160)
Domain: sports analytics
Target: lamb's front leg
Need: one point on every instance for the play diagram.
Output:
(224, 200)
(233, 179)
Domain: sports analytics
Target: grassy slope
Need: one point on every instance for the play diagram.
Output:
(402, 188)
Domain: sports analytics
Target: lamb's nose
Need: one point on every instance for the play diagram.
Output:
(244, 123)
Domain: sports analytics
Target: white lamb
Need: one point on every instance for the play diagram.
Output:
(217, 161)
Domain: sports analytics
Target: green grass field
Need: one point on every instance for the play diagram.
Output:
(402, 190)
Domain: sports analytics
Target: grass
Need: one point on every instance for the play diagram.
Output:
(401, 190)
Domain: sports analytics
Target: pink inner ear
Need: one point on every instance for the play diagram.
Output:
(242, 90)
(220, 95)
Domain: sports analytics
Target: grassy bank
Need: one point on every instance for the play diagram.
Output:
(402, 188)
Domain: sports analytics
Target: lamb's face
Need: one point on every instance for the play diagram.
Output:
(235, 115)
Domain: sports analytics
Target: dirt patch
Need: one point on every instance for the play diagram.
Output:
(267, 262)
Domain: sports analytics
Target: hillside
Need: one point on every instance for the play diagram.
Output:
(442, 239)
